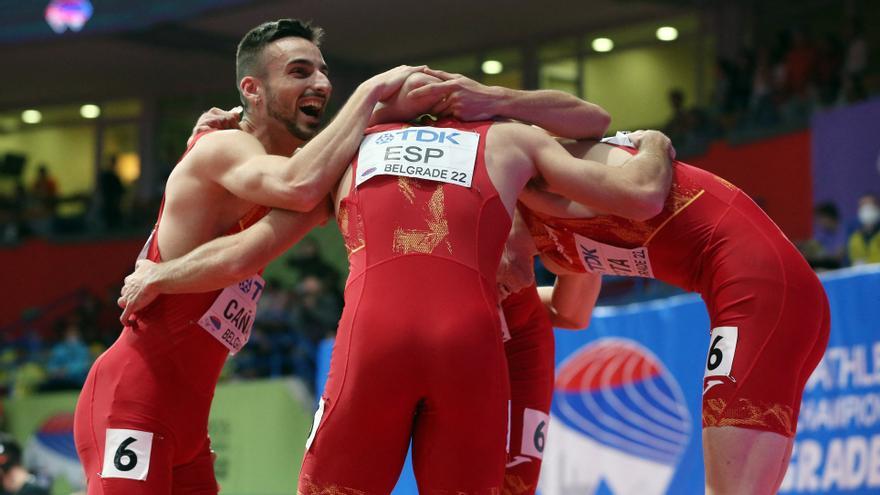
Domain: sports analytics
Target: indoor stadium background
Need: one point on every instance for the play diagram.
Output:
(98, 98)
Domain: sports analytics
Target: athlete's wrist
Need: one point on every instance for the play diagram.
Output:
(506, 102)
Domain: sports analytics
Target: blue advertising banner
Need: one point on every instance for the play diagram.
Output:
(626, 417)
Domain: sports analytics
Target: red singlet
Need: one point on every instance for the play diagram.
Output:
(418, 355)
(157, 381)
(768, 310)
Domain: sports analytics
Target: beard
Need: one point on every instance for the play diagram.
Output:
(287, 116)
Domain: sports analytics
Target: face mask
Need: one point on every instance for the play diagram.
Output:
(869, 215)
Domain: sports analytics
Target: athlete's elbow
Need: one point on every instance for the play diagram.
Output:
(246, 262)
(238, 270)
(647, 204)
(572, 322)
(303, 197)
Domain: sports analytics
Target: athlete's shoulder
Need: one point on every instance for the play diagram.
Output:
(514, 133)
(218, 149)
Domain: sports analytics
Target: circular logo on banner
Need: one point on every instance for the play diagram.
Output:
(617, 393)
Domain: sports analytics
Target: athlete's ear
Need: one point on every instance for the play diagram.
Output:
(251, 89)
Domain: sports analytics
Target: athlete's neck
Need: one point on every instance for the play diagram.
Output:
(275, 138)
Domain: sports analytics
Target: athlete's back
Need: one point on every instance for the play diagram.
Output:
(419, 350)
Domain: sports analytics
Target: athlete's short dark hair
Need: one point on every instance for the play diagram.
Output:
(248, 56)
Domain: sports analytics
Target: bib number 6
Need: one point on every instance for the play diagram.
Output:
(534, 433)
(127, 454)
(539, 437)
(722, 350)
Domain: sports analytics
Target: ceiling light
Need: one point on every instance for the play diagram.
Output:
(31, 116)
(90, 111)
(667, 33)
(602, 45)
(492, 67)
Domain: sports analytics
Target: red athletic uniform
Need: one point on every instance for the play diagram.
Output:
(530, 361)
(419, 351)
(148, 398)
(769, 314)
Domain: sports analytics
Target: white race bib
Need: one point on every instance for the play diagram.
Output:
(127, 454)
(597, 257)
(534, 435)
(620, 139)
(433, 153)
(505, 330)
(722, 350)
(231, 317)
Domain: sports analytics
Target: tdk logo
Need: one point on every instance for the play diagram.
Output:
(385, 138)
(428, 136)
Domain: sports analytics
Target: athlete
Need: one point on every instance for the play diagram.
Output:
(141, 419)
(561, 114)
(768, 311)
(425, 211)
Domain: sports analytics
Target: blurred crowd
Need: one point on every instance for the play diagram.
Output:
(53, 348)
(35, 209)
(838, 242)
(775, 85)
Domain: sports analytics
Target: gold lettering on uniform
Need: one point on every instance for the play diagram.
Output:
(405, 184)
(725, 183)
(515, 485)
(353, 240)
(745, 413)
(424, 241)
(310, 487)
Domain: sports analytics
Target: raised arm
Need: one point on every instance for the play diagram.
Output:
(220, 262)
(635, 190)
(238, 162)
(557, 112)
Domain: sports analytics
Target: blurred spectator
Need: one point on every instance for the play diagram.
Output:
(110, 191)
(800, 62)
(829, 60)
(864, 243)
(45, 192)
(16, 215)
(762, 106)
(16, 480)
(677, 126)
(856, 61)
(827, 248)
(319, 309)
(69, 360)
(307, 261)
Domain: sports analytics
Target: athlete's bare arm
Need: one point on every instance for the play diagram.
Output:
(557, 112)
(237, 161)
(569, 303)
(571, 300)
(220, 262)
(635, 190)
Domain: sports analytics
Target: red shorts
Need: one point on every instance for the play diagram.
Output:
(127, 447)
(530, 361)
(414, 360)
(770, 325)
